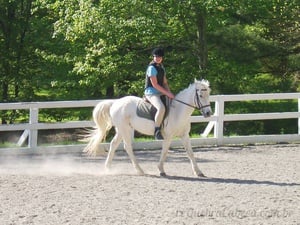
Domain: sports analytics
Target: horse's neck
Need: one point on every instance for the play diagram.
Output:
(181, 110)
(186, 94)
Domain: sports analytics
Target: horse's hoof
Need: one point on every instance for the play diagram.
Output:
(201, 175)
(163, 174)
(107, 169)
(140, 173)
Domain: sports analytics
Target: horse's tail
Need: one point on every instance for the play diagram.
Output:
(103, 123)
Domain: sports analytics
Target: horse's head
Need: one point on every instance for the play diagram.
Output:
(202, 97)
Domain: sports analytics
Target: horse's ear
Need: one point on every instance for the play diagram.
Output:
(195, 80)
(206, 82)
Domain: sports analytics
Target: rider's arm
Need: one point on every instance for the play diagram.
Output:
(164, 90)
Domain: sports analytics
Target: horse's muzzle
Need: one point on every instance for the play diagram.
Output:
(207, 114)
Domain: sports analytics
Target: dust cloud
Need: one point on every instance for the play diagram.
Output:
(50, 165)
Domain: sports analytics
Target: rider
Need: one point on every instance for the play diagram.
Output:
(157, 85)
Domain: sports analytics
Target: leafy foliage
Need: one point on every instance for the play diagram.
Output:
(89, 49)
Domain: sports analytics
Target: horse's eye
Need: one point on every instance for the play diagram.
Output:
(199, 93)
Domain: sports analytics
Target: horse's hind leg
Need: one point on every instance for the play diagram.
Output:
(127, 138)
(133, 159)
(112, 149)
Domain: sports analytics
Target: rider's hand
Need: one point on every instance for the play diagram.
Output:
(170, 95)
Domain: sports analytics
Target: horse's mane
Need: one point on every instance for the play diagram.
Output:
(204, 82)
(182, 92)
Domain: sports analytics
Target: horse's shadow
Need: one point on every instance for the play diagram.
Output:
(227, 180)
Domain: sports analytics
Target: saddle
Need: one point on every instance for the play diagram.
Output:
(146, 110)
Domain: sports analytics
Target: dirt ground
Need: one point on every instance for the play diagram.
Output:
(257, 184)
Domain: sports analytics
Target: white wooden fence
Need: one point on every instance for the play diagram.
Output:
(215, 122)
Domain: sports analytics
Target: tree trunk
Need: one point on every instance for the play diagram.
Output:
(4, 99)
(201, 43)
(110, 91)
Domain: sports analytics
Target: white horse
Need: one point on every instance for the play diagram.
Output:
(121, 113)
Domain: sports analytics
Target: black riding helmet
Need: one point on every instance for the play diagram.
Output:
(158, 52)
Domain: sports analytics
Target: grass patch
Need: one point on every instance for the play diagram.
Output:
(8, 145)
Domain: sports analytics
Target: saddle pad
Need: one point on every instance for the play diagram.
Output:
(145, 110)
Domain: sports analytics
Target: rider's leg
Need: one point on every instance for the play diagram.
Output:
(159, 116)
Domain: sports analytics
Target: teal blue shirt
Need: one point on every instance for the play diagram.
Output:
(151, 72)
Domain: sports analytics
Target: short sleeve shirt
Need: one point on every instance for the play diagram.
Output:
(151, 71)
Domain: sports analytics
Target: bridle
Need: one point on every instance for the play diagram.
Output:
(196, 101)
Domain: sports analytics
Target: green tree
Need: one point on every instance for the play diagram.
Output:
(28, 54)
(14, 21)
(73, 49)
(258, 38)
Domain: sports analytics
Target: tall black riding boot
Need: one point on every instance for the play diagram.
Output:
(157, 134)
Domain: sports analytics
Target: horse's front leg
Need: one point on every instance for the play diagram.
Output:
(188, 147)
(163, 156)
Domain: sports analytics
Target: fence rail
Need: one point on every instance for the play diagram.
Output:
(215, 122)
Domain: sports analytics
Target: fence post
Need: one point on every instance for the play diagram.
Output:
(219, 111)
(23, 137)
(208, 128)
(33, 134)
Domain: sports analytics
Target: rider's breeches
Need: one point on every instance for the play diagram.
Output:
(157, 103)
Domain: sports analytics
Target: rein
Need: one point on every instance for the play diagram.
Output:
(195, 107)
(177, 100)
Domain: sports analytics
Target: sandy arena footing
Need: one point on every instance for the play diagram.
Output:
(257, 184)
